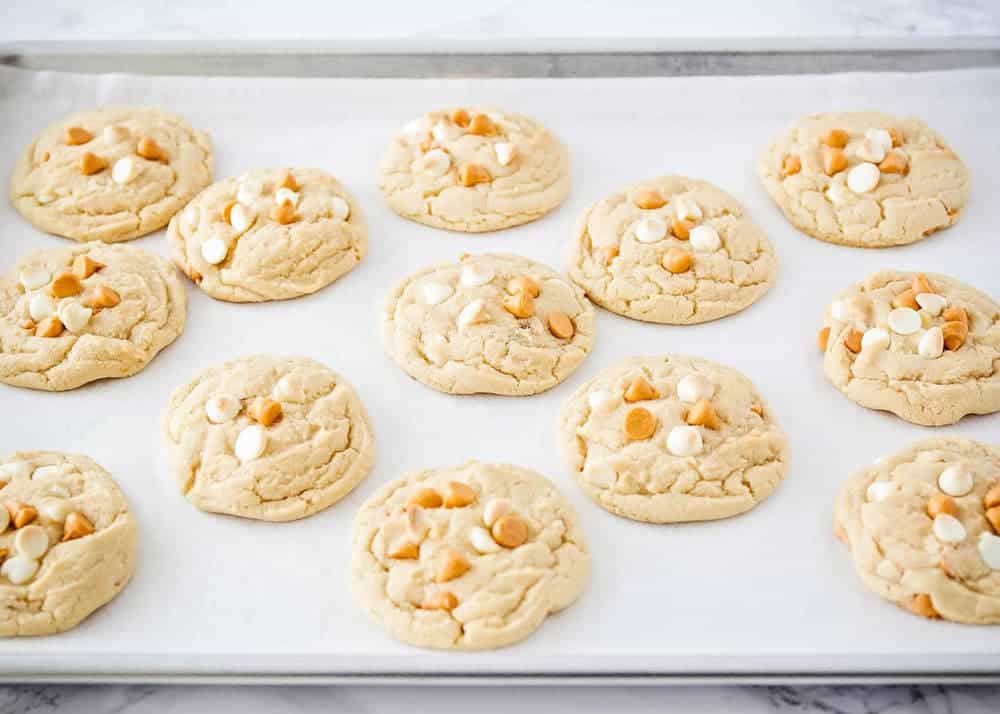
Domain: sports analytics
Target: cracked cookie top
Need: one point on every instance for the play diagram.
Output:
(671, 250)
(923, 346)
(474, 169)
(495, 324)
(111, 174)
(269, 234)
(67, 541)
(470, 557)
(271, 438)
(923, 526)
(72, 315)
(672, 439)
(865, 179)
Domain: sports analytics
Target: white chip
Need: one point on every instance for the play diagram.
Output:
(13, 470)
(650, 230)
(482, 541)
(494, 509)
(241, 217)
(446, 131)
(505, 152)
(687, 210)
(44, 472)
(113, 133)
(249, 191)
(436, 293)
(35, 278)
(435, 162)
(875, 338)
(871, 150)
(837, 194)
(694, 387)
(948, 529)
(250, 443)
(214, 250)
(31, 541)
(931, 345)
(125, 170)
(601, 401)
(685, 441)
(600, 474)
(54, 509)
(904, 321)
(286, 195)
(863, 178)
(839, 311)
(956, 480)
(57, 489)
(73, 315)
(932, 303)
(473, 313)
(880, 490)
(19, 569)
(705, 239)
(45, 197)
(475, 275)
(289, 389)
(881, 137)
(41, 306)
(222, 408)
(189, 219)
(989, 550)
(420, 125)
(340, 208)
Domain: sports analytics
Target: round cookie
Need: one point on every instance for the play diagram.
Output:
(671, 250)
(495, 324)
(672, 439)
(111, 174)
(865, 179)
(922, 346)
(68, 541)
(474, 169)
(923, 527)
(470, 557)
(269, 234)
(72, 315)
(271, 438)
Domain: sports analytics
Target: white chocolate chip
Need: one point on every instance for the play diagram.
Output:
(863, 178)
(694, 387)
(435, 162)
(241, 217)
(32, 541)
(54, 509)
(73, 315)
(989, 550)
(687, 210)
(600, 474)
(482, 541)
(420, 125)
(35, 278)
(222, 408)
(286, 195)
(475, 275)
(44, 472)
(214, 250)
(289, 389)
(125, 170)
(685, 441)
(41, 306)
(13, 470)
(505, 152)
(875, 338)
(650, 230)
(19, 569)
(956, 480)
(189, 219)
(881, 137)
(45, 197)
(948, 529)
(904, 321)
(887, 570)
(340, 208)
(931, 345)
(436, 293)
(473, 313)
(113, 133)
(871, 150)
(837, 194)
(57, 489)
(839, 311)
(601, 401)
(250, 443)
(705, 239)
(249, 191)
(444, 132)
(932, 303)
(494, 509)
(880, 490)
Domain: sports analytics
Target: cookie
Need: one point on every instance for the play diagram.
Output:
(72, 315)
(495, 324)
(671, 250)
(270, 438)
(672, 439)
(269, 234)
(474, 169)
(470, 557)
(923, 527)
(67, 543)
(925, 347)
(865, 179)
(111, 174)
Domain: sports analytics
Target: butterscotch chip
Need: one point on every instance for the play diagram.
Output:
(835, 138)
(284, 213)
(24, 516)
(27, 324)
(76, 526)
(523, 284)
(481, 124)
(84, 266)
(510, 531)
(897, 137)
(440, 601)
(639, 424)
(460, 117)
(12, 508)
(49, 327)
(681, 230)
(227, 210)
(404, 550)
(834, 161)
(992, 497)
(907, 298)
(852, 340)
(955, 333)
(453, 565)
(677, 260)
(458, 494)
(104, 297)
(790, 165)
(941, 503)
(823, 338)
(893, 163)
(649, 199)
(149, 149)
(46, 156)
(561, 325)
(957, 314)
(640, 390)
(605, 256)
(426, 498)
(758, 409)
(471, 174)
(265, 411)
(519, 305)
(921, 605)
(91, 164)
(703, 414)
(288, 181)
(65, 284)
(993, 516)
(76, 135)
(921, 284)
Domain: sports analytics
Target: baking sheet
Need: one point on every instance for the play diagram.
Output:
(769, 592)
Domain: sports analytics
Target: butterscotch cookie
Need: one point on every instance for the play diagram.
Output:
(865, 179)
(269, 234)
(474, 169)
(271, 438)
(671, 250)
(470, 557)
(72, 315)
(495, 324)
(111, 174)
(925, 347)
(672, 439)
(923, 527)
(67, 541)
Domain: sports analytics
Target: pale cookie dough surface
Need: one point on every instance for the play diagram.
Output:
(506, 591)
(904, 554)
(424, 332)
(326, 236)
(73, 554)
(48, 188)
(620, 250)
(94, 342)
(312, 456)
(891, 373)
(725, 471)
(421, 171)
(902, 208)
